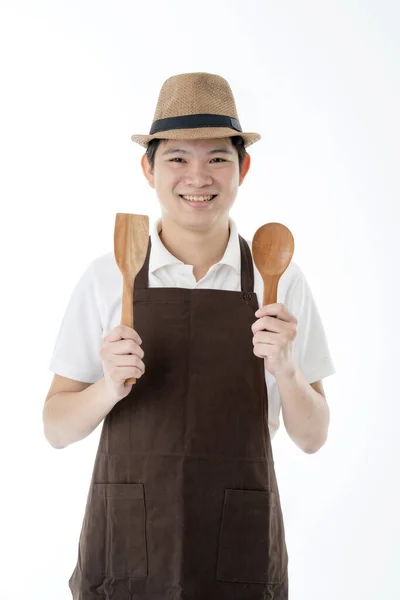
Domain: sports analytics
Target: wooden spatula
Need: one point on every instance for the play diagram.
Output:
(131, 241)
(273, 248)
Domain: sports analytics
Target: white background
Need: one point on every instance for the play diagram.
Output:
(320, 81)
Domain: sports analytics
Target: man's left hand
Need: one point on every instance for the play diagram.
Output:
(274, 332)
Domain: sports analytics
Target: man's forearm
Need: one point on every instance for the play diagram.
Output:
(70, 417)
(305, 412)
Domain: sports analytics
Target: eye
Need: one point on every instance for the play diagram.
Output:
(177, 158)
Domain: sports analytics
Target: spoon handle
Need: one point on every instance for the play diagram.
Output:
(270, 289)
(127, 313)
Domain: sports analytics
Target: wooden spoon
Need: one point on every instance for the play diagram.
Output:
(273, 248)
(131, 241)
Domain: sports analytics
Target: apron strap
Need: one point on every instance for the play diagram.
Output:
(247, 270)
(142, 278)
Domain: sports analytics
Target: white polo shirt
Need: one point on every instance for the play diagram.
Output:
(94, 308)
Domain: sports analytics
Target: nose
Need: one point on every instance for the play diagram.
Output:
(197, 176)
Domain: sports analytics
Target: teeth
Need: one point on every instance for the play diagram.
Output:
(198, 198)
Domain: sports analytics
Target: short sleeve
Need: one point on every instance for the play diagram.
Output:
(76, 353)
(311, 350)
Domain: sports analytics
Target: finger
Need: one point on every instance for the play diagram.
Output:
(121, 374)
(123, 332)
(276, 310)
(128, 361)
(265, 337)
(126, 347)
(269, 324)
(263, 350)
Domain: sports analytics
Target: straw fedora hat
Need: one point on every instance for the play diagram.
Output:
(195, 106)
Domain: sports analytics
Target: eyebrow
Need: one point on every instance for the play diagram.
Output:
(181, 151)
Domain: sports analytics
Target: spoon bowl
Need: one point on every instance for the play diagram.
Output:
(273, 249)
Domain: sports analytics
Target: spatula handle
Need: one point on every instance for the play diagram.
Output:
(127, 313)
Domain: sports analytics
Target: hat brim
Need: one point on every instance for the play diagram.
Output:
(201, 133)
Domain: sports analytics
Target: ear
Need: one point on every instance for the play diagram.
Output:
(245, 168)
(147, 172)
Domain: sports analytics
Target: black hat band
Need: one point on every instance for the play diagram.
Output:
(194, 121)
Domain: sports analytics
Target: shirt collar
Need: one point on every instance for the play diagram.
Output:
(161, 257)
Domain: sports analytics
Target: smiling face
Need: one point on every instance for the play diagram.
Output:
(198, 169)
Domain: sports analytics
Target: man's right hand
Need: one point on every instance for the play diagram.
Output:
(121, 356)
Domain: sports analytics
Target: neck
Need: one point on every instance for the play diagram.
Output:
(201, 249)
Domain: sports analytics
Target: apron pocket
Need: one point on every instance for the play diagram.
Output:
(252, 546)
(114, 544)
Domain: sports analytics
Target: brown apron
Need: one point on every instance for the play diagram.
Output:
(183, 503)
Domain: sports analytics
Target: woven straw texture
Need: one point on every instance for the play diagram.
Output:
(191, 94)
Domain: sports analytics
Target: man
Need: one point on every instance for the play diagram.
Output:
(184, 501)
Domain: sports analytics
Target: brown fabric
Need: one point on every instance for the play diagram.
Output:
(184, 502)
